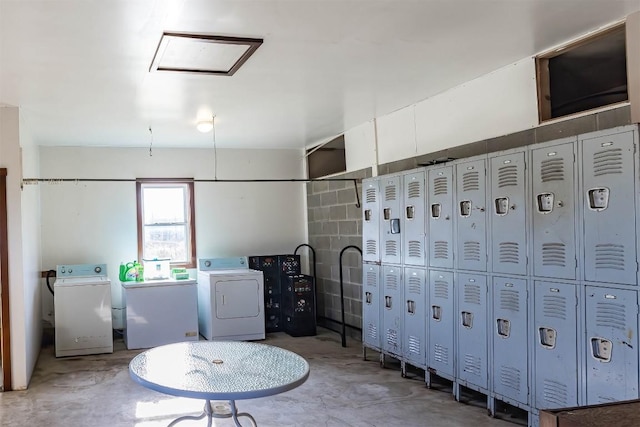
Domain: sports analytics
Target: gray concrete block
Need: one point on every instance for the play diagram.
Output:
(508, 142)
(330, 227)
(613, 118)
(313, 200)
(565, 128)
(320, 186)
(346, 228)
(347, 196)
(354, 212)
(323, 213)
(329, 198)
(338, 185)
(355, 274)
(337, 213)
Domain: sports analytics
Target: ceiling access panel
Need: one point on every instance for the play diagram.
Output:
(609, 172)
(555, 371)
(471, 215)
(611, 344)
(390, 219)
(371, 220)
(440, 214)
(415, 330)
(508, 213)
(392, 310)
(414, 221)
(554, 210)
(472, 333)
(371, 315)
(510, 382)
(441, 324)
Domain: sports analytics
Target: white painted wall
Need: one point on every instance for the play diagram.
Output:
(360, 146)
(88, 222)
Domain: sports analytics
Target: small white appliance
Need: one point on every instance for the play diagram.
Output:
(159, 312)
(82, 304)
(230, 300)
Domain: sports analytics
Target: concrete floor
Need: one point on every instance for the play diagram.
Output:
(342, 390)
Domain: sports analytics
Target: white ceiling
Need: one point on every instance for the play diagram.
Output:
(79, 69)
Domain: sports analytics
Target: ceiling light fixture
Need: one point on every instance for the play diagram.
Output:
(205, 126)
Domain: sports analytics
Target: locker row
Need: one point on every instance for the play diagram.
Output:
(564, 209)
(533, 344)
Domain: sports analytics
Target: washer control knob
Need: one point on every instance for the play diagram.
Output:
(70, 271)
(98, 269)
(207, 263)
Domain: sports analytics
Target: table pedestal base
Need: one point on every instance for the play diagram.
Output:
(211, 414)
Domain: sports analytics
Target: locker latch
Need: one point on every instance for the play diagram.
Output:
(601, 349)
(410, 212)
(368, 297)
(387, 302)
(436, 311)
(386, 212)
(411, 307)
(545, 202)
(435, 210)
(395, 226)
(504, 328)
(367, 215)
(465, 208)
(502, 205)
(598, 198)
(467, 319)
(547, 337)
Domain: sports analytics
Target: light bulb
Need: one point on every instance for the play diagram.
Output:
(204, 126)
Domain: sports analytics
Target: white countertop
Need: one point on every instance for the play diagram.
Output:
(162, 282)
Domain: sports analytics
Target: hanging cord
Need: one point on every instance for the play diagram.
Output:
(215, 151)
(49, 274)
(151, 143)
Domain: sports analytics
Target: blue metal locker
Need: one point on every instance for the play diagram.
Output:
(441, 324)
(415, 331)
(414, 223)
(391, 217)
(555, 345)
(472, 337)
(371, 320)
(609, 207)
(510, 339)
(392, 310)
(471, 215)
(554, 210)
(611, 344)
(440, 213)
(508, 220)
(371, 220)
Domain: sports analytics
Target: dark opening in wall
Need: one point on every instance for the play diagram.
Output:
(327, 159)
(588, 74)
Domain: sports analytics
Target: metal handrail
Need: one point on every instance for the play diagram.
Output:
(315, 279)
(344, 329)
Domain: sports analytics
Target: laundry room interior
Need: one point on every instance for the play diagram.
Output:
(346, 160)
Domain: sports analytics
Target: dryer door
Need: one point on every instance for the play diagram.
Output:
(237, 298)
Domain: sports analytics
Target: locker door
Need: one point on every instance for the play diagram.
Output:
(441, 325)
(471, 215)
(608, 178)
(440, 212)
(510, 325)
(371, 220)
(612, 344)
(371, 320)
(393, 310)
(508, 221)
(554, 239)
(556, 347)
(391, 217)
(472, 336)
(415, 322)
(414, 219)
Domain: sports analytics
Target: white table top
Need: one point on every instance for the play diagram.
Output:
(219, 370)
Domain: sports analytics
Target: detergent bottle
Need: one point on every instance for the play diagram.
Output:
(139, 272)
(131, 272)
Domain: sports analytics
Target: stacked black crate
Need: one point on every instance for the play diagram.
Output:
(299, 306)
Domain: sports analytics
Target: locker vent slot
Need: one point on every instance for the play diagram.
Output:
(509, 300)
(372, 279)
(441, 289)
(509, 252)
(370, 196)
(510, 377)
(471, 181)
(414, 345)
(391, 282)
(610, 256)
(552, 170)
(392, 338)
(554, 254)
(472, 364)
(611, 315)
(415, 249)
(472, 294)
(441, 249)
(390, 193)
(372, 247)
(555, 393)
(440, 186)
(554, 306)
(508, 176)
(441, 354)
(372, 331)
(607, 162)
(414, 285)
(391, 248)
(471, 251)
(413, 190)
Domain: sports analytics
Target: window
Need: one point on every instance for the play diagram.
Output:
(166, 224)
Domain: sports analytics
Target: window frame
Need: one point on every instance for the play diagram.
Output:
(190, 220)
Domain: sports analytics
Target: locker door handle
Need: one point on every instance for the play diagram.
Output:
(367, 215)
(387, 302)
(436, 312)
(547, 337)
(601, 349)
(411, 307)
(467, 319)
(410, 212)
(368, 297)
(504, 328)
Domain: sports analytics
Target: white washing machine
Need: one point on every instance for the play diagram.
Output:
(230, 300)
(82, 305)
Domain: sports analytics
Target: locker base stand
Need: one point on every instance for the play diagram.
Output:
(475, 396)
(210, 413)
(364, 351)
(438, 381)
(515, 414)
